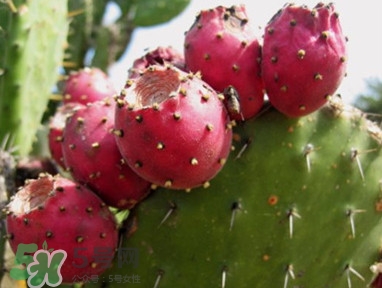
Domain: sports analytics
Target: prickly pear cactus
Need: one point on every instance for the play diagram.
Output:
(298, 204)
(32, 39)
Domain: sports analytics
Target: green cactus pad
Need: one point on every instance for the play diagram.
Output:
(298, 204)
(34, 37)
(149, 12)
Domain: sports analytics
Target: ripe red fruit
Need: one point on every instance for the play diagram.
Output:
(159, 56)
(87, 85)
(68, 217)
(304, 58)
(223, 46)
(56, 130)
(92, 156)
(172, 128)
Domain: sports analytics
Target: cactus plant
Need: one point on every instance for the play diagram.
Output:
(298, 204)
(39, 40)
(33, 36)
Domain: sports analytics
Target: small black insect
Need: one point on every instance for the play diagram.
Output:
(232, 102)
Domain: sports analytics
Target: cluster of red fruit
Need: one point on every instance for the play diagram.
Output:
(171, 124)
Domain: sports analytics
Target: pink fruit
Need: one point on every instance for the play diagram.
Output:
(224, 48)
(304, 58)
(158, 56)
(56, 128)
(68, 217)
(87, 85)
(172, 128)
(92, 156)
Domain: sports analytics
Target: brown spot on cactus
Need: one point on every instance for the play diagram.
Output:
(95, 145)
(89, 209)
(273, 200)
(274, 59)
(207, 56)
(49, 234)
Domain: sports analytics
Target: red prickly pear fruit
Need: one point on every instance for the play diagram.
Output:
(56, 128)
(66, 216)
(304, 58)
(158, 56)
(87, 85)
(92, 156)
(224, 48)
(32, 167)
(173, 128)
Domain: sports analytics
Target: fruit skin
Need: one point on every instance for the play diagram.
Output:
(304, 58)
(56, 130)
(239, 230)
(87, 85)
(159, 56)
(222, 45)
(92, 156)
(67, 216)
(173, 129)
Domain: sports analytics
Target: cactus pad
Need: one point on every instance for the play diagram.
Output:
(298, 204)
